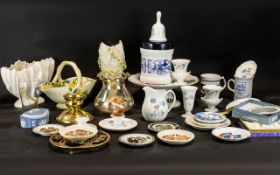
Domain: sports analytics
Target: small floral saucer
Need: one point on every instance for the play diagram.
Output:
(47, 129)
(231, 134)
(118, 124)
(160, 126)
(136, 139)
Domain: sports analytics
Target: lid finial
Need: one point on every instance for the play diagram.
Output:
(158, 30)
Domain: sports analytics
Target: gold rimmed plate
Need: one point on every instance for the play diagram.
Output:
(99, 141)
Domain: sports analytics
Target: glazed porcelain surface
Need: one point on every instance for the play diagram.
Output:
(137, 139)
(246, 70)
(156, 62)
(209, 117)
(118, 124)
(160, 126)
(190, 80)
(188, 99)
(212, 79)
(91, 129)
(231, 134)
(205, 126)
(156, 66)
(47, 129)
(212, 92)
(180, 64)
(179, 77)
(211, 103)
(155, 106)
(56, 89)
(242, 87)
(41, 71)
(177, 133)
(111, 60)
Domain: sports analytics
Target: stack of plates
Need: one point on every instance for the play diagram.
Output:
(207, 121)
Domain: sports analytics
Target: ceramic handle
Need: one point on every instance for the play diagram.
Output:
(174, 99)
(77, 71)
(228, 84)
(224, 82)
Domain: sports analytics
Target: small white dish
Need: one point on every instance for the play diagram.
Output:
(137, 139)
(125, 124)
(231, 134)
(89, 128)
(205, 127)
(209, 117)
(160, 126)
(171, 136)
(47, 129)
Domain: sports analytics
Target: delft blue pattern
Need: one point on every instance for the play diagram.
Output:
(160, 66)
(209, 116)
(240, 88)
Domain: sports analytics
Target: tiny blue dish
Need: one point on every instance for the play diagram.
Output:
(209, 117)
(34, 117)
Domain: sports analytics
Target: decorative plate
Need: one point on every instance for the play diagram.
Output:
(209, 117)
(125, 125)
(99, 141)
(231, 134)
(190, 80)
(136, 139)
(203, 126)
(175, 136)
(247, 69)
(47, 129)
(160, 126)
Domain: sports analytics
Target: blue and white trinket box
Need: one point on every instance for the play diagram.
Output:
(256, 111)
(34, 117)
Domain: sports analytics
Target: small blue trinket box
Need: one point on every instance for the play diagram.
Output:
(34, 117)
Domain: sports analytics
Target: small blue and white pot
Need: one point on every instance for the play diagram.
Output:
(34, 117)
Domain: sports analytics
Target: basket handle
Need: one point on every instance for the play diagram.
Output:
(57, 77)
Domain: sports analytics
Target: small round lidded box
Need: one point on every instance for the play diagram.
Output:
(34, 117)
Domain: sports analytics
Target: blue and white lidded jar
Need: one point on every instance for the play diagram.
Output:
(34, 117)
(156, 55)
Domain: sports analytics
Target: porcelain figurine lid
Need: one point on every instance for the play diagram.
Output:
(158, 30)
(36, 113)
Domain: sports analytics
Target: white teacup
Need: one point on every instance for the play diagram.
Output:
(212, 79)
(212, 92)
(180, 65)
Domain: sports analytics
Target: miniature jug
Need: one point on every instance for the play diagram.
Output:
(155, 106)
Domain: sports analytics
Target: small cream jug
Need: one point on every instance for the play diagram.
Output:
(155, 106)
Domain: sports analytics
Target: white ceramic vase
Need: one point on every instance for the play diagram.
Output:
(40, 71)
(188, 99)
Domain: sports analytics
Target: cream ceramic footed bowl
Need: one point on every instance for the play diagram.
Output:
(40, 71)
(58, 87)
(211, 103)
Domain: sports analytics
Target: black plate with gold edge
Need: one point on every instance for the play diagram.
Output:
(96, 143)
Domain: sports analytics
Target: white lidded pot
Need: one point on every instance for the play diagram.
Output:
(156, 55)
